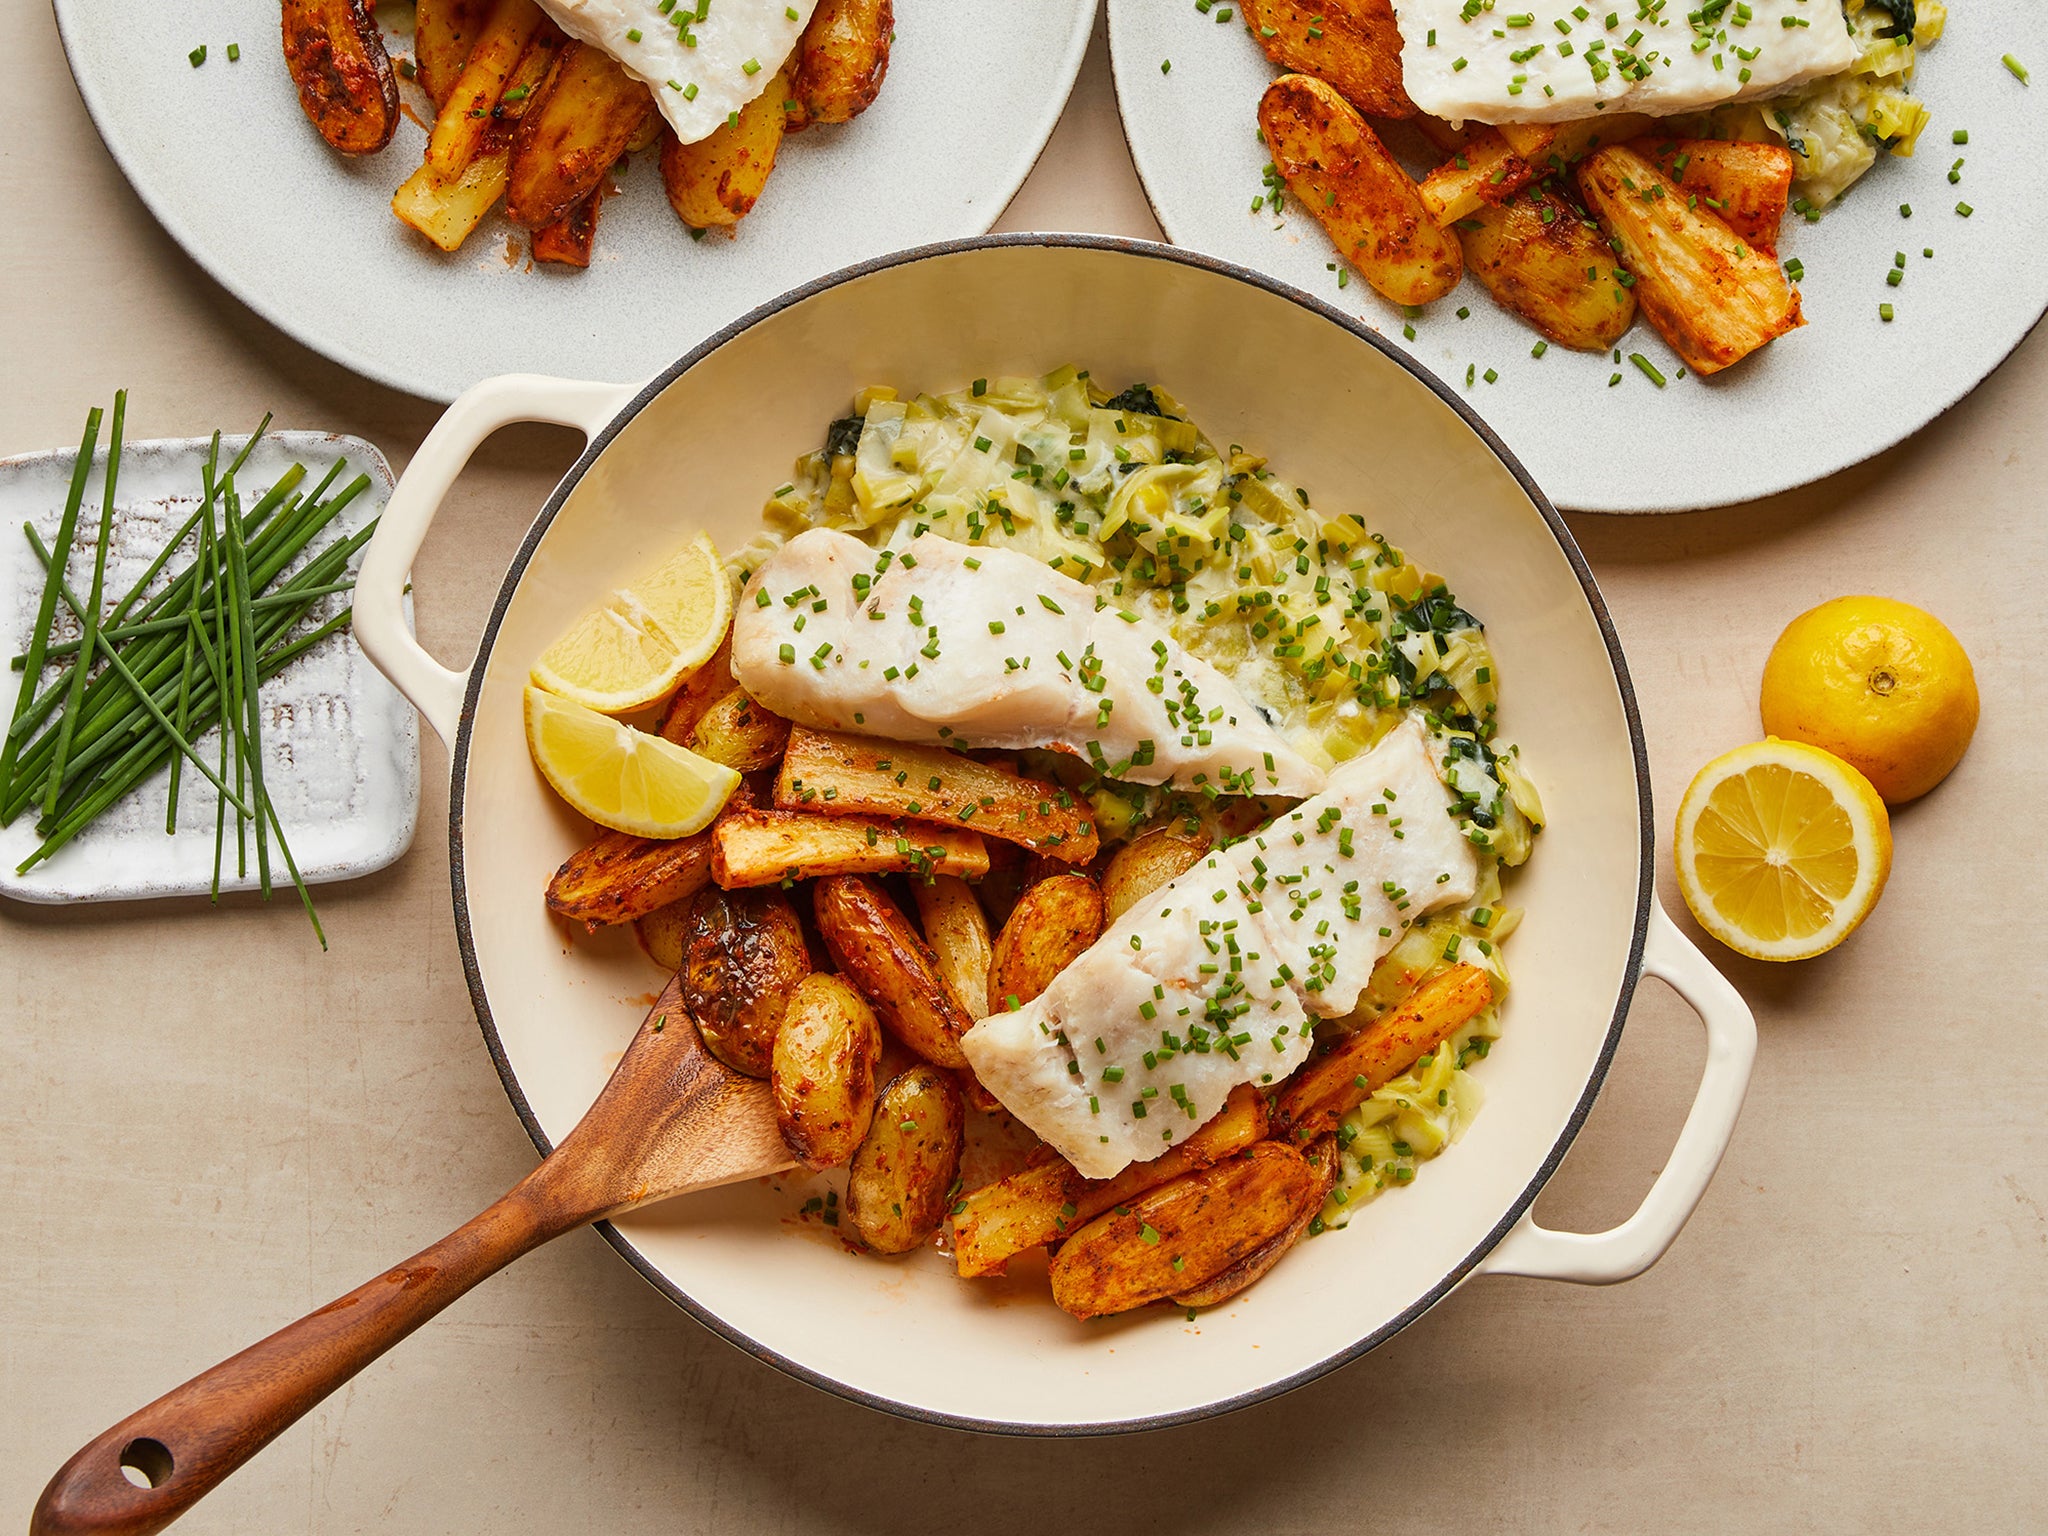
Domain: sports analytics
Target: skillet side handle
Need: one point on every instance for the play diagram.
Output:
(1622, 1253)
(379, 620)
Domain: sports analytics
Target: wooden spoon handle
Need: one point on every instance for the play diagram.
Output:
(179, 1447)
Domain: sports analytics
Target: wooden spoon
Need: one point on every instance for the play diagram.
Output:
(671, 1120)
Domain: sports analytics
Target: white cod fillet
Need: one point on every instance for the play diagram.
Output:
(938, 641)
(1215, 979)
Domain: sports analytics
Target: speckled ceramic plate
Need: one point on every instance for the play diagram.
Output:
(227, 162)
(341, 748)
(1847, 386)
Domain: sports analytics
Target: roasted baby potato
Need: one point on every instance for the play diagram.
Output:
(1713, 296)
(736, 731)
(958, 934)
(1145, 863)
(822, 1071)
(1037, 1205)
(1311, 1102)
(834, 774)
(879, 951)
(1322, 1163)
(466, 117)
(346, 84)
(696, 694)
(443, 32)
(664, 933)
(713, 182)
(743, 954)
(1341, 173)
(896, 1190)
(1183, 1234)
(617, 877)
(1353, 44)
(585, 115)
(1540, 257)
(767, 847)
(840, 61)
(1052, 924)
(1748, 185)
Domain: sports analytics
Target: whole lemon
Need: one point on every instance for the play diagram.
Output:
(1881, 684)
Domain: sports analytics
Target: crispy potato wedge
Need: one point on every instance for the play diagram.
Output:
(1337, 167)
(879, 951)
(346, 85)
(1322, 1163)
(443, 32)
(736, 731)
(1039, 1204)
(743, 954)
(617, 877)
(752, 847)
(822, 1071)
(1712, 295)
(1053, 922)
(896, 1189)
(465, 118)
(1540, 257)
(664, 932)
(1147, 862)
(714, 182)
(572, 132)
(840, 61)
(1330, 1086)
(1183, 1234)
(957, 931)
(1353, 44)
(694, 697)
(567, 241)
(832, 775)
(1748, 185)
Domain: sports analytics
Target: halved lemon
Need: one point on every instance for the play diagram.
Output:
(622, 778)
(637, 644)
(1782, 849)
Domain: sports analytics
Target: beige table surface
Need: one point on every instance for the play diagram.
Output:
(209, 1128)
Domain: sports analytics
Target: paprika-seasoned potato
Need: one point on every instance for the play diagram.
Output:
(822, 1071)
(1052, 923)
(743, 954)
(664, 932)
(1534, 253)
(695, 695)
(896, 1190)
(1145, 863)
(1322, 1162)
(346, 84)
(736, 731)
(588, 111)
(1337, 167)
(881, 954)
(443, 32)
(617, 877)
(567, 242)
(1353, 44)
(713, 182)
(1749, 185)
(840, 61)
(1183, 1234)
(958, 934)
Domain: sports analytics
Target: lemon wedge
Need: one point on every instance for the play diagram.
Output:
(1782, 849)
(622, 778)
(634, 647)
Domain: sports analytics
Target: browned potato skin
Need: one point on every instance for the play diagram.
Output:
(1052, 924)
(617, 877)
(567, 242)
(736, 731)
(1322, 1162)
(697, 693)
(879, 951)
(443, 32)
(1337, 167)
(1749, 185)
(1538, 269)
(346, 84)
(743, 955)
(767, 847)
(1207, 1220)
(588, 112)
(663, 934)
(822, 1071)
(1358, 52)
(957, 931)
(841, 59)
(1145, 863)
(714, 182)
(896, 1189)
(1311, 1102)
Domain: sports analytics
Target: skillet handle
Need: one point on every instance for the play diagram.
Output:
(1622, 1253)
(379, 620)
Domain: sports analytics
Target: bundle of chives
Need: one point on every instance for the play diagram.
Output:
(141, 683)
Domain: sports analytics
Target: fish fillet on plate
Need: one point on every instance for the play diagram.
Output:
(1216, 979)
